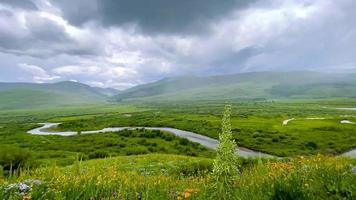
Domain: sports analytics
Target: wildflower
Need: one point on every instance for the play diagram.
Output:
(24, 187)
(353, 170)
(270, 174)
(11, 187)
(186, 194)
(114, 194)
(26, 197)
(192, 190)
(33, 181)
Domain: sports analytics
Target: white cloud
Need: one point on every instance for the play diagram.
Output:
(76, 70)
(95, 83)
(38, 74)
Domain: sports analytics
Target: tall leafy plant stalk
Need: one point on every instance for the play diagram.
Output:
(226, 166)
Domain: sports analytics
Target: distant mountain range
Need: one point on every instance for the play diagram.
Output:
(300, 84)
(29, 95)
(254, 85)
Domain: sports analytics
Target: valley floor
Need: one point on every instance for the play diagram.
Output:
(57, 167)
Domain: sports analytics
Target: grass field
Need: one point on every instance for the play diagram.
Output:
(158, 176)
(256, 125)
(69, 168)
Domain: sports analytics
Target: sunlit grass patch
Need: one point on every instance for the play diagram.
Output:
(160, 177)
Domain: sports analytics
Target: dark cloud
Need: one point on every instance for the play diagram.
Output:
(24, 4)
(78, 12)
(152, 16)
(39, 36)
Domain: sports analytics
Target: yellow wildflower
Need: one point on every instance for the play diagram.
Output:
(192, 190)
(26, 197)
(186, 194)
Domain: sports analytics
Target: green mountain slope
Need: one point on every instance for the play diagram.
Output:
(32, 95)
(301, 84)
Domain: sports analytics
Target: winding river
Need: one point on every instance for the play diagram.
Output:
(194, 137)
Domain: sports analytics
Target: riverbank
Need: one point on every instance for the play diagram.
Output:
(194, 137)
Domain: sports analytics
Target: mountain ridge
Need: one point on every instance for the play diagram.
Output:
(34, 95)
(251, 85)
(246, 85)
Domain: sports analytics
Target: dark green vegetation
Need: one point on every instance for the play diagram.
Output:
(29, 95)
(256, 125)
(64, 150)
(256, 85)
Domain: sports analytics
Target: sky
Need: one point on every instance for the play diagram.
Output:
(123, 43)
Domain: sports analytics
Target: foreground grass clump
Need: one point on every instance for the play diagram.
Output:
(158, 176)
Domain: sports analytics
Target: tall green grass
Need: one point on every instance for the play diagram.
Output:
(178, 177)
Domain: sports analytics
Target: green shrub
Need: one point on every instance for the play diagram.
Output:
(195, 168)
(98, 154)
(183, 141)
(13, 158)
(311, 145)
(137, 151)
(291, 189)
(1, 171)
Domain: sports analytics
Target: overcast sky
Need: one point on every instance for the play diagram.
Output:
(122, 43)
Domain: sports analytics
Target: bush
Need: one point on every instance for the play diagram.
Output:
(195, 168)
(275, 139)
(311, 145)
(137, 151)
(291, 189)
(183, 141)
(13, 158)
(98, 154)
(168, 136)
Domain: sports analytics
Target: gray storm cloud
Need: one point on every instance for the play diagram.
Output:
(24, 4)
(121, 43)
(154, 16)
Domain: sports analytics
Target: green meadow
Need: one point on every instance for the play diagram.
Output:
(152, 164)
(256, 125)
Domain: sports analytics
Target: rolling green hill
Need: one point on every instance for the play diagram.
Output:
(32, 95)
(301, 84)
(253, 85)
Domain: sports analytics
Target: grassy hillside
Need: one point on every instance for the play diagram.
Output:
(21, 98)
(31, 95)
(301, 84)
(160, 176)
